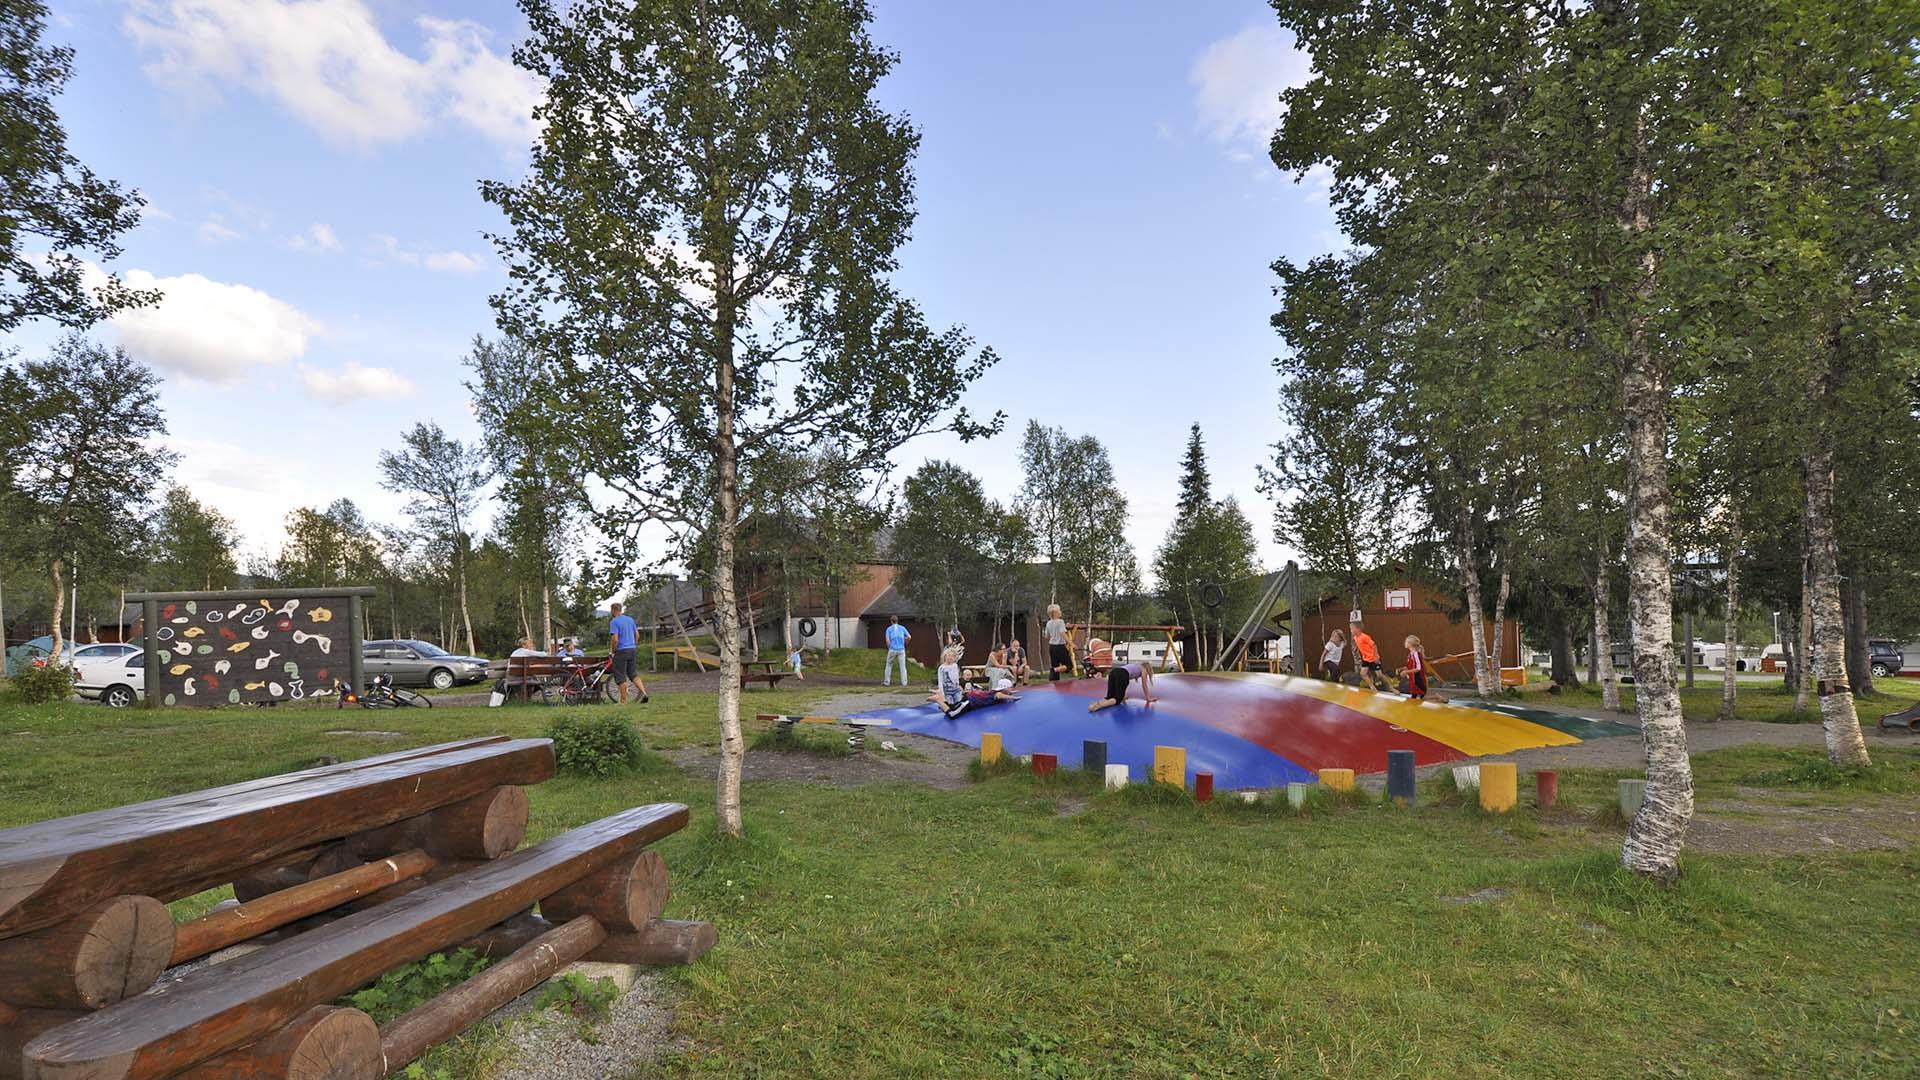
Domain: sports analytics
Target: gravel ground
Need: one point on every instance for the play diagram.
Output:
(549, 1047)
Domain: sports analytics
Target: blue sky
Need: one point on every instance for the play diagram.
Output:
(1094, 203)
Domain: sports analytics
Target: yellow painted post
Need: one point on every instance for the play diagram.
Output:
(1170, 765)
(1337, 779)
(1499, 786)
(989, 748)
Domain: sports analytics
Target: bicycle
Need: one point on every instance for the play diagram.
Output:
(381, 694)
(586, 685)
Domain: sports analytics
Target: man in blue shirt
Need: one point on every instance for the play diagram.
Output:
(897, 638)
(626, 649)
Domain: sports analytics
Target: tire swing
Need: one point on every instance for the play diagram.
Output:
(808, 627)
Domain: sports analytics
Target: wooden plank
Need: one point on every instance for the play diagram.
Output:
(223, 927)
(486, 826)
(211, 1010)
(175, 847)
(18, 1027)
(111, 951)
(409, 1036)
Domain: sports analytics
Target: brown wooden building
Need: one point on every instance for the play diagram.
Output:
(1389, 615)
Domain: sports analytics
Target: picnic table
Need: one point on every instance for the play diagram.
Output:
(767, 671)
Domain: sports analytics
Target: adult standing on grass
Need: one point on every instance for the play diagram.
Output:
(1058, 659)
(897, 638)
(1367, 656)
(626, 653)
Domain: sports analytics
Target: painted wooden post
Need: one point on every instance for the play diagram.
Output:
(1093, 755)
(1337, 779)
(1632, 794)
(1400, 776)
(1546, 788)
(1116, 777)
(1170, 765)
(1296, 794)
(1203, 787)
(989, 748)
(1045, 765)
(1499, 786)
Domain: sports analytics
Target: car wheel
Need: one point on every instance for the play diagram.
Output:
(118, 697)
(441, 678)
(1880, 671)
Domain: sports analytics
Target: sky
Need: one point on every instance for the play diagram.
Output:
(1095, 204)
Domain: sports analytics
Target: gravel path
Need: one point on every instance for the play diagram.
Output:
(549, 1046)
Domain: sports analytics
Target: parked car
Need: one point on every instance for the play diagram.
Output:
(420, 663)
(105, 656)
(1885, 658)
(116, 682)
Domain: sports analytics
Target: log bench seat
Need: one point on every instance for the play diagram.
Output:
(175, 847)
(340, 874)
(216, 1009)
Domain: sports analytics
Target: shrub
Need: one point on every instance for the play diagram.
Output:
(41, 685)
(600, 744)
(410, 985)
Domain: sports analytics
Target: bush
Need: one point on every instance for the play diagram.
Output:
(41, 685)
(599, 744)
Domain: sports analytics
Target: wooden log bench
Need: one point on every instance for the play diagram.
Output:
(341, 891)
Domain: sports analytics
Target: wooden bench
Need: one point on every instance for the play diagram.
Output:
(856, 725)
(348, 871)
(767, 671)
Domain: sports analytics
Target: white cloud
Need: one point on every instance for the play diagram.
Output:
(354, 382)
(328, 63)
(215, 231)
(208, 329)
(389, 248)
(1238, 80)
(318, 237)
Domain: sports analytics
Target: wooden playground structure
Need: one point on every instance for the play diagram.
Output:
(1086, 663)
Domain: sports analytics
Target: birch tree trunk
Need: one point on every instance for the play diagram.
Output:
(726, 606)
(1653, 839)
(546, 616)
(1729, 685)
(1845, 745)
(1859, 658)
(1601, 662)
(460, 567)
(1803, 640)
(1476, 617)
(1498, 660)
(59, 608)
(526, 626)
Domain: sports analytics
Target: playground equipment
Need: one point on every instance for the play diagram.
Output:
(1249, 730)
(1284, 583)
(1075, 630)
(340, 873)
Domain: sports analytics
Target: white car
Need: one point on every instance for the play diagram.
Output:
(91, 663)
(117, 682)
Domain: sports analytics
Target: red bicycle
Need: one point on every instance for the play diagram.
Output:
(588, 684)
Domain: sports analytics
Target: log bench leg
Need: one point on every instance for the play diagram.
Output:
(323, 1043)
(105, 954)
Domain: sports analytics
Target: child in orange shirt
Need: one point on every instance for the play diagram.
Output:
(1368, 656)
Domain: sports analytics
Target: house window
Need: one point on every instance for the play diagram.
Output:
(1399, 600)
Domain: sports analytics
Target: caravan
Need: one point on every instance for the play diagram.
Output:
(1151, 653)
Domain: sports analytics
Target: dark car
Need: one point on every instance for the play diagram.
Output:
(420, 663)
(1885, 658)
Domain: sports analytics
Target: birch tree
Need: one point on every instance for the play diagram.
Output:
(704, 245)
(442, 478)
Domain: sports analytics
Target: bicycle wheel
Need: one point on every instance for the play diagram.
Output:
(409, 699)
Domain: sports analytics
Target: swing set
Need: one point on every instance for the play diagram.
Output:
(1084, 663)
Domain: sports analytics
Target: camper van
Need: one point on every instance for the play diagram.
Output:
(1151, 653)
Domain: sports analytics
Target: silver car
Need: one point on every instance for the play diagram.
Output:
(420, 663)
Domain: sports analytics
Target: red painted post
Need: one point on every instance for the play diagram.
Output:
(1546, 788)
(1203, 787)
(1045, 764)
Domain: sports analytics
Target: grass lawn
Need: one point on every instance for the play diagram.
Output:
(1020, 929)
(1770, 701)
